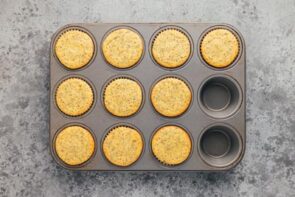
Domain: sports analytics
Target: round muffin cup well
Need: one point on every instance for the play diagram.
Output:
(220, 96)
(228, 145)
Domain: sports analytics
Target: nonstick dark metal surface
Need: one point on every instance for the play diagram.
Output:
(206, 120)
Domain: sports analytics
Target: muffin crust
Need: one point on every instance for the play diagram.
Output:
(123, 48)
(171, 48)
(74, 96)
(171, 97)
(123, 97)
(220, 48)
(123, 146)
(171, 145)
(74, 49)
(74, 145)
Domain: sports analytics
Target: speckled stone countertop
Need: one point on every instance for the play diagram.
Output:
(26, 166)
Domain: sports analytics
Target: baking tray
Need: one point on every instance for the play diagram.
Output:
(211, 131)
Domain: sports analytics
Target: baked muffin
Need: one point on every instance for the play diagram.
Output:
(74, 145)
(123, 97)
(171, 96)
(122, 146)
(74, 49)
(74, 96)
(220, 48)
(171, 48)
(171, 145)
(123, 48)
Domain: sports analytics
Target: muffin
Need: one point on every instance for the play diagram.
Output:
(219, 48)
(171, 96)
(74, 96)
(123, 97)
(122, 146)
(123, 48)
(74, 145)
(171, 145)
(171, 48)
(74, 49)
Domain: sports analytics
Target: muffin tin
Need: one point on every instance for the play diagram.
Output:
(215, 119)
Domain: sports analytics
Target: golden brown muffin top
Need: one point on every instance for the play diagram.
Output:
(74, 96)
(123, 48)
(171, 48)
(171, 97)
(123, 97)
(171, 145)
(74, 145)
(220, 48)
(122, 146)
(74, 49)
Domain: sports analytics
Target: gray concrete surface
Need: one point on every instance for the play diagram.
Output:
(26, 167)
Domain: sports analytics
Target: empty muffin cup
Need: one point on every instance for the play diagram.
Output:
(220, 96)
(220, 145)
